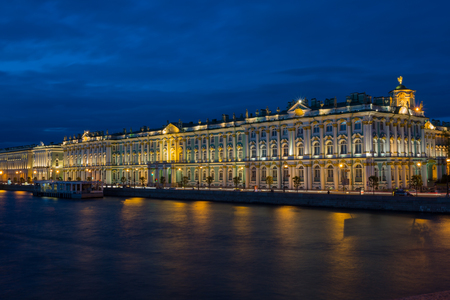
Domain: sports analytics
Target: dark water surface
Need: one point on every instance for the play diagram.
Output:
(135, 248)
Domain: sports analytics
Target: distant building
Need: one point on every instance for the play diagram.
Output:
(325, 143)
(26, 163)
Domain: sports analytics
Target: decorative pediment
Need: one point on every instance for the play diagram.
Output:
(170, 128)
(428, 125)
(299, 109)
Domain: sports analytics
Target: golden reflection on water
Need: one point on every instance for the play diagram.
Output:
(201, 216)
(133, 202)
(241, 221)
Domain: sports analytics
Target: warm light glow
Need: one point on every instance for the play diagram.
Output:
(285, 166)
(417, 109)
(341, 165)
(1, 172)
(34, 172)
(448, 160)
(179, 169)
(419, 164)
(57, 171)
(17, 172)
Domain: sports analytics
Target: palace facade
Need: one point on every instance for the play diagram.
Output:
(31, 162)
(325, 143)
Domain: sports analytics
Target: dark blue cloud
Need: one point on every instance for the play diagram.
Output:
(68, 66)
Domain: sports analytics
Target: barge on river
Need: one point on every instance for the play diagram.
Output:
(68, 189)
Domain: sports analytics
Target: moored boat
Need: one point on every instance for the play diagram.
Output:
(68, 189)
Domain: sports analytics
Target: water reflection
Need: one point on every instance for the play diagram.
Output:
(143, 248)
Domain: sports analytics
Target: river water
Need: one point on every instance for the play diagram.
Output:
(135, 248)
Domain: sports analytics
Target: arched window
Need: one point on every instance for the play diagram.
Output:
(316, 129)
(253, 152)
(343, 126)
(204, 175)
(196, 175)
(204, 155)
(330, 174)
(343, 146)
(316, 174)
(316, 147)
(358, 173)
(253, 174)
(253, 135)
(196, 155)
(329, 127)
(329, 148)
(274, 151)
(212, 174)
(220, 175)
(274, 132)
(230, 153)
(285, 150)
(240, 154)
(213, 155)
(358, 147)
(240, 175)
(230, 175)
(300, 150)
(301, 173)
(274, 174)
(263, 133)
(221, 154)
(263, 173)
(358, 125)
(263, 151)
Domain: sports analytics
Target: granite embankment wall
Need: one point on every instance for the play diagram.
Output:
(387, 203)
(25, 188)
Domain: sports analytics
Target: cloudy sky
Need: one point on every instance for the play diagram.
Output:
(70, 66)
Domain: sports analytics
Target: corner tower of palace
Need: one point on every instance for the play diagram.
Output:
(324, 144)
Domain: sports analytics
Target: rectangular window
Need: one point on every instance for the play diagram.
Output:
(329, 128)
(358, 125)
(316, 129)
(285, 131)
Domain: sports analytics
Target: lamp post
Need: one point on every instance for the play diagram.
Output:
(283, 178)
(17, 174)
(343, 171)
(57, 173)
(418, 171)
(128, 175)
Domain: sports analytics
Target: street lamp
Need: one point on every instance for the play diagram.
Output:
(283, 178)
(344, 180)
(128, 171)
(418, 171)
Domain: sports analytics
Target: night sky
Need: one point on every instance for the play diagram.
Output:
(70, 66)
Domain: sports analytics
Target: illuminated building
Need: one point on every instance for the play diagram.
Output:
(321, 142)
(26, 163)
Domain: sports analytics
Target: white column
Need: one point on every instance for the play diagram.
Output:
(388, 139)
(404, 181)
(291, 142)
(247, 148)
(335, 144)
(322, 177)
(257, 145)
(396, 173)
(389, 175)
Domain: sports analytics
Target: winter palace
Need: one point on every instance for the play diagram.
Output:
(325, 143)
